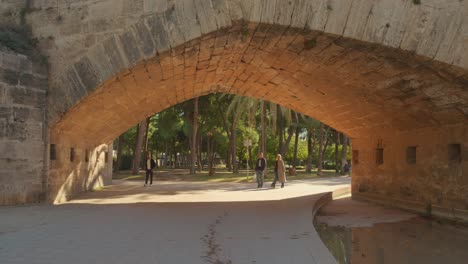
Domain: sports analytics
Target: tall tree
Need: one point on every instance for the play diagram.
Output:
(138, 146)
(263, 120)
(145, 139)
(337, 155)
(119, 152)
(193, 151)
(310, 149)
(320, 158)
(296, 141)
(344, 153)
(235, 167)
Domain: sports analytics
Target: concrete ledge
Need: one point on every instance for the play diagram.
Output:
(328, 197)
(453, 214)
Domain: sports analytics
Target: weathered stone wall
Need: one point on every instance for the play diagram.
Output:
(12, 12)
(23, 87)
(432, 183)
(26, 172)
(91, 168)
(71, 32)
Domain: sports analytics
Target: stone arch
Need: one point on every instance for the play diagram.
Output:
(358, 88)
(389, 75)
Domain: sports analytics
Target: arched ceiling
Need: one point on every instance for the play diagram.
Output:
(356, 87)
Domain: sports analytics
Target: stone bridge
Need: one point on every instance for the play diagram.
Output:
(393, 75)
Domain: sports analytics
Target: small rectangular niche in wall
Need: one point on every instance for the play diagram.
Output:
(52, 152)
(86, 157)
(411, 155)
(106, 156)
(355, 157)
(72, 154)
(379, 159)
(454, 153)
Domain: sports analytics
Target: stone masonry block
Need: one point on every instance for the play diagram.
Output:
(144, 39)
(159, 33)
(31, 81)
(117, 61)
(9, 77)
(24, 96)
(129, 47)
(87, 73)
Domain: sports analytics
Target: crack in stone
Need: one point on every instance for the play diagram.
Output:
(214, 251)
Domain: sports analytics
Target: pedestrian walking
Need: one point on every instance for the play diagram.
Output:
(150, 165)
(280, 172)
(260, 167)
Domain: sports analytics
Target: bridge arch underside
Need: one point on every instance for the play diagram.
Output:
(383, 98)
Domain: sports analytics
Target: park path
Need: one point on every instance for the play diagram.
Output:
(171, 222)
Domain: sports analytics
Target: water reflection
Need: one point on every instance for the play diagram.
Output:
(414, 241)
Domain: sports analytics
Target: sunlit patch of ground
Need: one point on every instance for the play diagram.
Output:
(133, 191)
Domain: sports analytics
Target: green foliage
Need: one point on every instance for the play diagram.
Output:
(170, 131)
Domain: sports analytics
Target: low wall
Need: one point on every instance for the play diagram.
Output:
(23, 88)
(425, 170)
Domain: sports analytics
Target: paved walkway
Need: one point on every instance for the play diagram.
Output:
(171, 222)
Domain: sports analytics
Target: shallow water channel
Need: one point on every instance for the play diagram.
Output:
(417, 240)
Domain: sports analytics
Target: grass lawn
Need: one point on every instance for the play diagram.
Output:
(221, 175)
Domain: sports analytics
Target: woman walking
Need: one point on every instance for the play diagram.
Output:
(280, 172)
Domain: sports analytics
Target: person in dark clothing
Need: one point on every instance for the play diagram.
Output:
(260, 167)
(150, 165)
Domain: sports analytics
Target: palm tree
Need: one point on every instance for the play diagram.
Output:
(238, 107)
(263, 124)
(344, 153)
(138, 145)
(119, 152)
(193, 146)
(320, 159)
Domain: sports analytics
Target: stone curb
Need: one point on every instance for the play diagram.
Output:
(453, 214)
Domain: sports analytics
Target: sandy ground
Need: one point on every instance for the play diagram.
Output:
(171, 222)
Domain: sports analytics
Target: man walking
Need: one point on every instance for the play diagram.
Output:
(150, 165)
(260, 166)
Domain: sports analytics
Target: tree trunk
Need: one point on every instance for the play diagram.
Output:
(199, 152)
(309, 152)
(235, 167)
(193, 151)
(228, 157)
(166, 153)
(337, 156)
(138, 146)
(145, 141)
(320, 157)
(327, 141)
(118, 162)
(208, 154)
(264, 113)
(280, 129)
(296, 141)
(249, 161)
(285, 147)
(344, 154)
